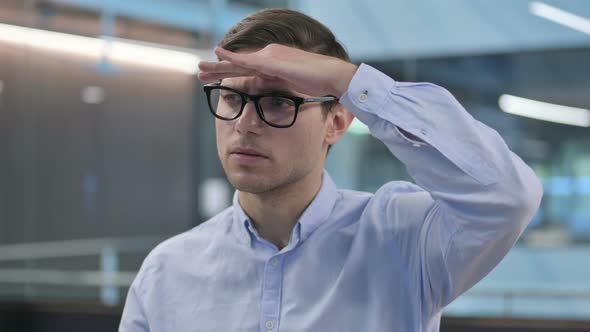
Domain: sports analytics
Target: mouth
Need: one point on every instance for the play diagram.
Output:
(246, 155)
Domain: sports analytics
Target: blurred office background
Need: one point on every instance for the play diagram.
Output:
(107, 147)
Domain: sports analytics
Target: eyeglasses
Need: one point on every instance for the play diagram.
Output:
(275, 109)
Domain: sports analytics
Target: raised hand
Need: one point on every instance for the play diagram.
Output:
(309, 73)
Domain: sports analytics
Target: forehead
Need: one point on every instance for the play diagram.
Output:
(257, 85)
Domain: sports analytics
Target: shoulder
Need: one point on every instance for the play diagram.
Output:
(199, 236)
(394, 192)
(402, 194)
(180, 247)
(395, 200)
(386, 194)
(395, 205)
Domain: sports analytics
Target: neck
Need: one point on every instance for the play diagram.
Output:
(275, 213)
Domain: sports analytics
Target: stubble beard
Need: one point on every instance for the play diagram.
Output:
(258, 183)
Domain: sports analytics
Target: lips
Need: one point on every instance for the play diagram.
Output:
(247, 152)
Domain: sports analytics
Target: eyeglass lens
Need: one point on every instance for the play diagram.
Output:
(275, 110)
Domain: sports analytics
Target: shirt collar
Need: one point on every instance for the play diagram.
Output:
(314, 215)
(320, 208)
(241, 222)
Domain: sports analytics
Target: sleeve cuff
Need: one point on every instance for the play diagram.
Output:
(368, 90)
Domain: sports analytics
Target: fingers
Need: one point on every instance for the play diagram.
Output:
(213, 71)
(245, 60)
(209, 76)
(219, 67)
(234, 65)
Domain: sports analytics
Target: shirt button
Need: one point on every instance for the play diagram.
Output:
(363, 97)
(274, 261)
(269, 325)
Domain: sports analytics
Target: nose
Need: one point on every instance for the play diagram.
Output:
(249, 121)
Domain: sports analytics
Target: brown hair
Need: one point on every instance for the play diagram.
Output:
(286, 27)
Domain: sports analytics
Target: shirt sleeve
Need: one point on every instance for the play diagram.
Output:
(134, 318)
(481, 194)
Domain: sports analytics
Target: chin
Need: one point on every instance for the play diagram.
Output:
(248, 182)
(250, 187)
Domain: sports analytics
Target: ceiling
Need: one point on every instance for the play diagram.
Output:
(371, 30)
(378, 29)
(390, 29)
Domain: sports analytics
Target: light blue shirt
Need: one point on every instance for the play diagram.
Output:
(388, 261)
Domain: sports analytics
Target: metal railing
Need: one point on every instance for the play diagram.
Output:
(108, 277)
(510, 295)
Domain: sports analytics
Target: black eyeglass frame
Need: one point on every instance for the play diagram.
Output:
(298, 101)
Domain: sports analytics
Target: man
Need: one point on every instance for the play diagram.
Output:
(293, 253)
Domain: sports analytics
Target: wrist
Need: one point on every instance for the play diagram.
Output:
(344, 78)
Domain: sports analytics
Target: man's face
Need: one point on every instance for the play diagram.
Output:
(258, 158)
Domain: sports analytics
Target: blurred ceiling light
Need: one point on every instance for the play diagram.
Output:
(148, 54)
(113, 48)
(93, 95)
(560, 16)
(545, 111)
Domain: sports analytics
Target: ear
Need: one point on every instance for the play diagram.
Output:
(337, 122)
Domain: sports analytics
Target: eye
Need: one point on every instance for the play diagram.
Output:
(231, 98)
(281, 102)
(277, 103)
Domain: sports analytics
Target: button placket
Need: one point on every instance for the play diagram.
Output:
(274, 261)
(271, 293)
(269, 325)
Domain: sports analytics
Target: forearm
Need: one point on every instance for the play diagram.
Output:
(456, 158)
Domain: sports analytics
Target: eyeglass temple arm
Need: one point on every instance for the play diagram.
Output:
(319, 99)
